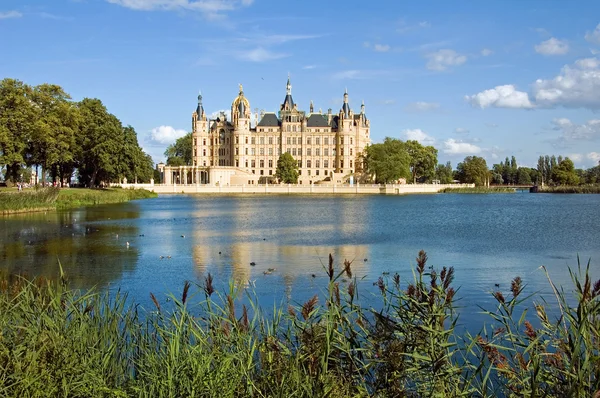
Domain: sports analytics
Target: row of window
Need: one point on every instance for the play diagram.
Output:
(270, 140)
(270, 151)
(261, 164)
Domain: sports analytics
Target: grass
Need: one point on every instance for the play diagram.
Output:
(570, 189)
(55, 341)
(55, 198)
(479, 190)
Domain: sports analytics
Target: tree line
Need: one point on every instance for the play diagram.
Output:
(394, 159)
(42, 127)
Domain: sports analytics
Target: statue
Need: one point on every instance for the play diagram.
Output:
(241, 88)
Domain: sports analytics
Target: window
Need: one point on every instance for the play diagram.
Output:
(252, 151)
(270, 162)
(204, 152)
(246, 140)
(350, 151)
(342, 151)
(271, 151)
(253, 163)
(341, 163)
(204, 141)
(253, 171)
(288, 128)
(253, 140)
(307, 140)
(317, 151)
(351, 163)
(293, 140)
(237, 163)
(308, 151)
(262, 140)
(318, 141)
(326, 164)
(270, 140)
(204, 163)
(237, 151)
(300, 164)
(278, 140)
(350, 140)
(270, 172)
(246, 151)
(309, 172)
(325, 151)
(262, 172)
(195, 142)
(294, 128)
(317, 172)
(237, 140)
(332, 151)
(288, 150)
(326, 140)
(289, 140)
(293, 151)
(308, 164)
(246, 163)
(278, 151)
(341, 140)
(261, 151)
(262, 163)
(318, 163)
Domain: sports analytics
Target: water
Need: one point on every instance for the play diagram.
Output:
(489, 239)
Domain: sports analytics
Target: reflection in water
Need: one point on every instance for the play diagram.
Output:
(84, 241)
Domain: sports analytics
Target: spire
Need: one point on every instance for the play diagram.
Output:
(312, 108)
(362, 107)
(288, 87)
(288, 102)
(345, 106)
(200, 109)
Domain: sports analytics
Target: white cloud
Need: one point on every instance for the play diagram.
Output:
(443, 59)
(381, 48)
(10, 14)
(577, 85)
(216, 114)
(211, 7)
(422, 106)
(486, 52)
(589, 131)
(595, 156)
(461, 130)
(166, 134)
(404, 27)
(575, 157)
(454, 147)
(594, 36)
(309, 67)
(260, 54)
(418, 135)
(505, 96)
(552, 46)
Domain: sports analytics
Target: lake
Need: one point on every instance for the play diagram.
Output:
(489, 239)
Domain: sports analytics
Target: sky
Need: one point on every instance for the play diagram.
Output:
(485, 78)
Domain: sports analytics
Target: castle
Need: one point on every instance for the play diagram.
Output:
(327, 147)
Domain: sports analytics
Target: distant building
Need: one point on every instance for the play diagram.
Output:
(328, 147)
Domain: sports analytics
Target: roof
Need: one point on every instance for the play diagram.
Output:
(334, 122)
(317, 120)
(270, 120)
(346, 109)
(288, 100)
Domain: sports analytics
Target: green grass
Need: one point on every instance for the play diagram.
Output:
(65, 198)
(570, 189)
(479, 190)
(55, 341)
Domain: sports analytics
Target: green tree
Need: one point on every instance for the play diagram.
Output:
(523, 176)
(388, 161)
(564, 173)
(287, 169)
(473, 170)
(180, 153)
(443, 173)
(422, 160)
(17, 118)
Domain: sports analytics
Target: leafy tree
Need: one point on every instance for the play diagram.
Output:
(180, 153)
(473, 170)
(443, 173)
(287, 169)
(387, 161)
(17, 118)
(541, 168)
(564, 173)
(423, 160)
(523, 176)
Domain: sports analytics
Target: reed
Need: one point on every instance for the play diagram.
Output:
(55, 341)
(570, 189)
(479, 190)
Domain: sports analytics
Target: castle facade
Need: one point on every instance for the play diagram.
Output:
(327, 147)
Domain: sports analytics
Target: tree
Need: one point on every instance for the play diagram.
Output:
(473, 170)
(17, 117)
(423, 160)
(564, 173)
(443, 173)
(388, 161)
(180, 153)
(541, 168)
(287, 169)
(523, 176)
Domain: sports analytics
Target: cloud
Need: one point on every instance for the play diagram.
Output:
(595, 156)
(358, 74)
(216, 114)
(486, 52)
(594, 36)
(309, 67)
(404, 27)
(422, 106)
(10, 14)
(454, 147)
(381, 48)
(387, 102)
(575, 157)
(577, 85)
(209, 7)
(461, 130)
(166, 134)
(418, 135)
(260, 54)
(443, 59)
(505, 96)
(570, 132)
(491, 125)
(552, 46)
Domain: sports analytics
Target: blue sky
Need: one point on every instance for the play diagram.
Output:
(493, 78)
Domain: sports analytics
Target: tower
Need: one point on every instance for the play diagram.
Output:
(199, 135)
